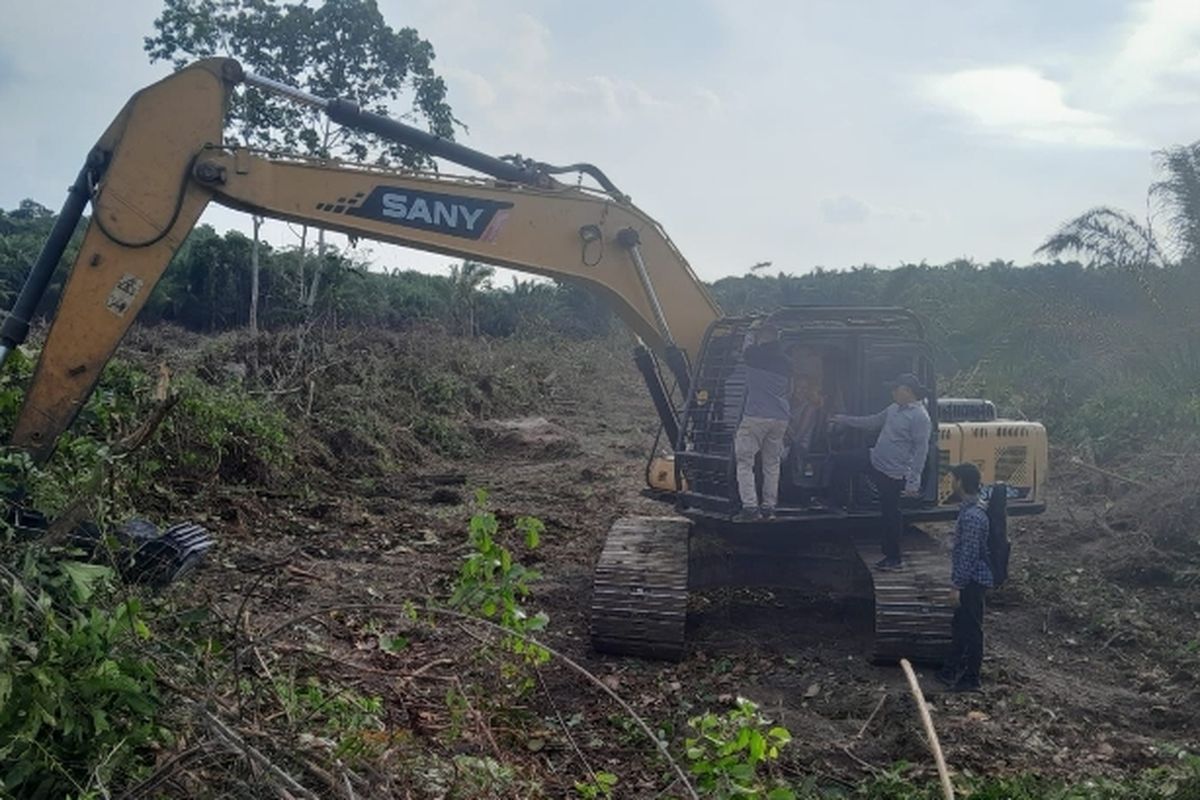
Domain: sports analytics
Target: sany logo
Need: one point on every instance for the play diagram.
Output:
(451, 215)
(397, 206)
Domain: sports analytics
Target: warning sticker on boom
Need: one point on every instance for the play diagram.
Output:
(123, 294)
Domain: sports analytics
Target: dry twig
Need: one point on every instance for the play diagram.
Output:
(236, 742)
(402, 608)
(870, 719)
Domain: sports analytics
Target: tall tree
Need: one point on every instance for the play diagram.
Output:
(1177, 196)
(466, 282)
(341, 48)
(254, 274)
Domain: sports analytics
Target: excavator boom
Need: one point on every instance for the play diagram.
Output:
(162, 161)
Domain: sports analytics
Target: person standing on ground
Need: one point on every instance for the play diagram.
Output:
(764, 422)
(895, 463)
(970, 577)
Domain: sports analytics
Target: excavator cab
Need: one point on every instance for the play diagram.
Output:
(842, 359)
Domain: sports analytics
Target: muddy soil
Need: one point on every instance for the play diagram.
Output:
(1091, 667)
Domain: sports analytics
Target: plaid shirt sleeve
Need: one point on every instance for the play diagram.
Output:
(970, 536)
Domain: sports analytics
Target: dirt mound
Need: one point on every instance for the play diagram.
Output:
(529, 437)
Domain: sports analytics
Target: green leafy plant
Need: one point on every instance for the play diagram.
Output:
(494, 586)
(731, 754)
(352, 720)
(78, 703)
(600, 786)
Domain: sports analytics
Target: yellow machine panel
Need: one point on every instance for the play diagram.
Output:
(1006, 451)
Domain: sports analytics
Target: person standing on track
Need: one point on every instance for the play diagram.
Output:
(764, 422)
(896, 462)
(970, 576)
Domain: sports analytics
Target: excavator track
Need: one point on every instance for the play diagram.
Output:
(640, 589)
(912, 605)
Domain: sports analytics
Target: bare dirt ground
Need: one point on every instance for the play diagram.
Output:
(1092, 659)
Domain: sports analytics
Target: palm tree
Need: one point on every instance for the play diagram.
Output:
(1107, 236)
(466, 280)
(1170, 347)
(1112, 236)
(1177, 196)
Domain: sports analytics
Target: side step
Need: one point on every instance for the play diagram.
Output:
(912, 605)
(640, 588)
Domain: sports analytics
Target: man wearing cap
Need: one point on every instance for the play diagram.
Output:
(897, 460)
(970, 578)
(764, 422)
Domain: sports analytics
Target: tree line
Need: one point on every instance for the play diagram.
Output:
(206, 288)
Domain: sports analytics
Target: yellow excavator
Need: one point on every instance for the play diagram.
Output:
(162, 160)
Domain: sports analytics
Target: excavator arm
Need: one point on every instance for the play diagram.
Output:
(162, 161)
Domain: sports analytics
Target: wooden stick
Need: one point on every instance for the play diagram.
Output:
(871, 718)
(934, 746)
(231, 739)
(1079, 462)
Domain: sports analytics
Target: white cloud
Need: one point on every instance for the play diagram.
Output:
(1019, 102)
(512, 67)
(1160, 59)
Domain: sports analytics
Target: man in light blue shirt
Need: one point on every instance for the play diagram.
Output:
(897, 460)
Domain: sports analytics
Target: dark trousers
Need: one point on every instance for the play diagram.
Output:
(966, 652)
(858, 462)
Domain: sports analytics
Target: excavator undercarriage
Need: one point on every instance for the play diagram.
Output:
(649, 565)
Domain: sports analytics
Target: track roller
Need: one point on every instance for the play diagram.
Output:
(640, 588)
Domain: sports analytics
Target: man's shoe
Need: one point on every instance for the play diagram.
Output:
(965, 685)
(747, 515)
(768, 512)
(889, 564)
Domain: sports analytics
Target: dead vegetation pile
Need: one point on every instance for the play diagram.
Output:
(364, 403)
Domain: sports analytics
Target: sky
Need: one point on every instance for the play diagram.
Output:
(803, 133)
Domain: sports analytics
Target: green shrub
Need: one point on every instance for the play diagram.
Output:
(492, 585)
(78, 705)
(1122, 415)
(221, 431)
(730, 752)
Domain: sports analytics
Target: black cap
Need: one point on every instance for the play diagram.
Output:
(968, 475)
(911, 381)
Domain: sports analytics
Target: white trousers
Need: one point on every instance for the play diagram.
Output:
(755, 435)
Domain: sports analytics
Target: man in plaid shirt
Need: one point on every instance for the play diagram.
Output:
(971, 576)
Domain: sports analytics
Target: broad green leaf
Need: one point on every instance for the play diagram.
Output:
(393, 644)
(758, 747)
(85, 578)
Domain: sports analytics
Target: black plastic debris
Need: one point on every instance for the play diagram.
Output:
(166, 559)
(27, 523)
(137, 548)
